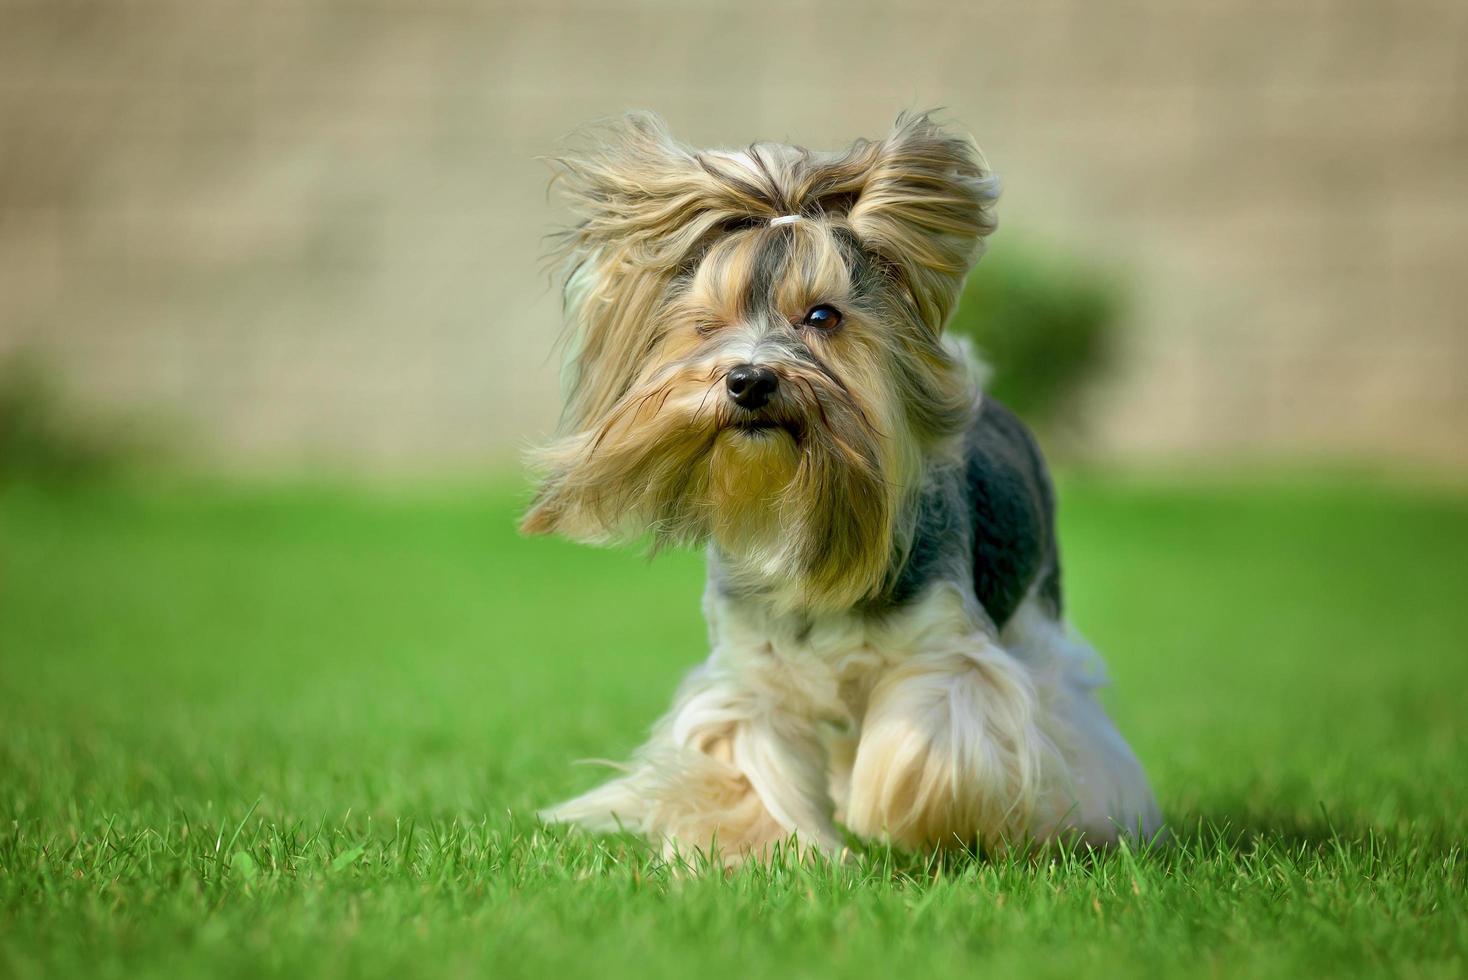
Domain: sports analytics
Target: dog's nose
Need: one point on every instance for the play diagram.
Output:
(751, 386)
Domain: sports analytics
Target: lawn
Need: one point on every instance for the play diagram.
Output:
(285, 731)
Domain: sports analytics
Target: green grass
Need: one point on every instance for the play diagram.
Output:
(300, 731)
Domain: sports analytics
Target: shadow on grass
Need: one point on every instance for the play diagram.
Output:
(1243, 841)
(1246, 832)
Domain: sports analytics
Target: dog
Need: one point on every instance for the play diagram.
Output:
(758, 366)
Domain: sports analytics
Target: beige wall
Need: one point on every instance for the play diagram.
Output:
(312, 228)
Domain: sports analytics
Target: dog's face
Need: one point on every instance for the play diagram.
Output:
(757, 354)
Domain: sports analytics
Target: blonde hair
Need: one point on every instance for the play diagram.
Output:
(677, 251)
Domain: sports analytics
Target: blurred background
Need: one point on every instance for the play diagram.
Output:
(283, 235)
(275, 328)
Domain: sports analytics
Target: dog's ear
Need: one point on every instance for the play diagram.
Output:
(634, 187)
(626, 191)
(646, 205)
(923, 200)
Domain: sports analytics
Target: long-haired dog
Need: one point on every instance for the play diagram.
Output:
(758, 365)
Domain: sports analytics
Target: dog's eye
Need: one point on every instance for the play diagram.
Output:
(823, 317)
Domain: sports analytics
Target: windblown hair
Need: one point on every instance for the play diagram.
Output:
(758, 363)
(675, 275)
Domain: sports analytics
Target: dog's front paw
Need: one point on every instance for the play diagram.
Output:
(951, 752)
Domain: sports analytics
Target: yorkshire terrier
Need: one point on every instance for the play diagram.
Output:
(758, 365)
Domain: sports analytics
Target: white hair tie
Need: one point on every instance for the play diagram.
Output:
(784, 219)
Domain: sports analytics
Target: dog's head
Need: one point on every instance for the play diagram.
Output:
(757, 346)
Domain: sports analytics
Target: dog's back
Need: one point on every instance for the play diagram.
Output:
(996, 509)
(1014, 515)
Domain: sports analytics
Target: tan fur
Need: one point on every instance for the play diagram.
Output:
(910, 721)
(657, 307)
(923, 729)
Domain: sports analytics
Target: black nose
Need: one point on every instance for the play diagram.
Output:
(751, 386)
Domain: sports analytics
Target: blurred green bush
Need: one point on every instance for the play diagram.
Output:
(45, 434)
(1046, 325)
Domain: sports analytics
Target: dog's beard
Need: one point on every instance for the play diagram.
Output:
(795, 495)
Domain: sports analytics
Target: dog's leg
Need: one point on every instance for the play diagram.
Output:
(725, 768)
(840, 758)
(1105, 795)
(952, 750)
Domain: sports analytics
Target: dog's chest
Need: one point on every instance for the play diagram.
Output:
(826, 665)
